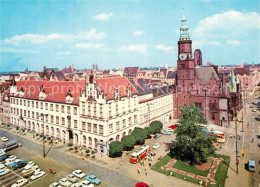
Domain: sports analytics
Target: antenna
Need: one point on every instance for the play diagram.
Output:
(183, 16)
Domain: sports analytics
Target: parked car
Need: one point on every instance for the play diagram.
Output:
(4, 139)
(12, 156)
(157, 135)
(169, 130)
(17, 165)
(173, 127)
(28, 174)
(251, 166)
(156, 145)
(2, 153)
(4, 171)
(93, 179)
(2, 150)
(165, 132)
(37, 175)
(72, 178)
(64, 182)
(86, 183)
(78, 173)
(20, 182)
(55, 184)
(36, 168)
(4, 157)
(32, 163)
(9, 161)
(141, 184)
(75, 185)
(2, 166)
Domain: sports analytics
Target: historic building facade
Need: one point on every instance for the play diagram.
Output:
(218, 100)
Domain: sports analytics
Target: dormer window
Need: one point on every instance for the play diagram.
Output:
(21, 92)
(42, 94)
(69, 97)
(116, 94)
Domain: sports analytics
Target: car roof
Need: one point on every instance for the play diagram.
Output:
(251, 162)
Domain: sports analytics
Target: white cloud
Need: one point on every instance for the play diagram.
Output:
(164, 48)
(14, 50)
(138, 33)
(104, 16)
(42, 39)
(228, 21)
(88, 45)
(233, 42)
(63, 53)
(134, 48)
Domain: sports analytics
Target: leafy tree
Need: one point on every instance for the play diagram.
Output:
(191, 114)
(148, 131)
(115, 149)
(128, 141)
(139, 134)
(192, 143)
(156, 126)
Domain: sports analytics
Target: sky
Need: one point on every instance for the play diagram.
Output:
(116, 34)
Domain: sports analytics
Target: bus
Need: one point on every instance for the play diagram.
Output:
(10, 145)
(220, 136)
(139, 154)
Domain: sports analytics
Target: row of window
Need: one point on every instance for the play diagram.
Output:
(47, 106)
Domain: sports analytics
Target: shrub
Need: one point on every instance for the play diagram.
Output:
(87, 151)
(75, 148)
(17, 128)
(41, 135)
(37, 134)
(70, 144)
(93, 152)
(48, 138)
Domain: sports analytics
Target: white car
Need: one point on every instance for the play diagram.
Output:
(4, 171)
(37, 175)
(2, 166)
(254, 110)
(4, 139)
(75, 185)
(55, 184)
(13, 156)
(2, 153)
(78, 173)
(64, 182)
(36, 168)
(32, 163)
(156, 145)
(86, 183)
(20, 182)
(27, 168)
(169, 130)
(9, 161)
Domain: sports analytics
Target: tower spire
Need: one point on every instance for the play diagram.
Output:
(184, 30)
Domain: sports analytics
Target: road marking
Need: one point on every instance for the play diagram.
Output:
(32, 181)
(243, 142)
(226, 143)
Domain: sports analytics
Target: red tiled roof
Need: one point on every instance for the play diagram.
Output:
(108, 85)
(56, 91)
(145, 100)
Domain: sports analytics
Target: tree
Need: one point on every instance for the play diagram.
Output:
(139, 135)
(148, 131)
(128, 142)
(191, 113)
(156, 126)
(192, 143)
(115, 149)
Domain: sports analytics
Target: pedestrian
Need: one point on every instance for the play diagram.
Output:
(253, 140)
(138, 170)
(145, 172)
(121, 163)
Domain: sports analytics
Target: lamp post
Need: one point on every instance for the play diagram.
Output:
(43, 141)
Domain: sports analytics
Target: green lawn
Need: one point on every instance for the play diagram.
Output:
(221, 174)
(184, 166)
(220, 177)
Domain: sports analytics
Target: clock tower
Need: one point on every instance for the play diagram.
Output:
(185, 65)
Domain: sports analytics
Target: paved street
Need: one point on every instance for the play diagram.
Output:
(110, 177)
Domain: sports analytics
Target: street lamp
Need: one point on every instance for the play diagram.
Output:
(43, 141)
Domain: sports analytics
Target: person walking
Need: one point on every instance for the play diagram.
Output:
(145, 172)
(138, 170)
(121, 163)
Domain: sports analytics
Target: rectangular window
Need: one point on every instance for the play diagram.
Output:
(117, 125)
(75, 124)
(89, 127)
(57, 108)
(75, 111)
(110, 110)
(57, 120)
(101, 110)
(68, 109)
(124, 123)
(24, 103)
(83, 109)
(32, 114)
(37, 104)
(111, 128)
(21, 102)
(63, 121)
(62, 108)
(89, 112)
(95, 128)
(51, 107)
(135, 119)
(83, 126)
(46, 106)
(41, 105)
(130, 121)
(213, 116)
(101, 129)
(51, 119)
(32, 103)
(28, 103)
(28, 114)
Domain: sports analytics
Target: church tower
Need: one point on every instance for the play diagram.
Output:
(185, 65)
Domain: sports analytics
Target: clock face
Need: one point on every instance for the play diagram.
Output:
(182, 56)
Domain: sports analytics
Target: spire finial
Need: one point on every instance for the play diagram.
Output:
(183, 14)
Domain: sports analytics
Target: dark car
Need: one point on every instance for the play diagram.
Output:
(3, 157)
(20, 165)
